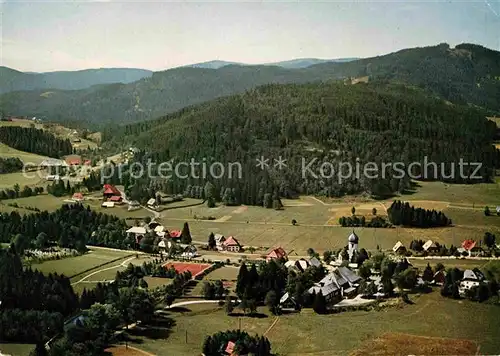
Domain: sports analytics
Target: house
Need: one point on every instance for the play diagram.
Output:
(78, 197)
(276, 253)
(153, 225)
(162, 245)
(73, 161)
(229, 350)
(190, 252)
(439, 277)
(133, 205)
(116, 199)
(471, 278)
(341, 282)
(231, 245)
(314, 262)
(430, 246)
(152, 203)
(108, 204)
(288, 302)
(110, 190)
(399, 248)
(52, 162)
(470, 246)
(299, 265)
(137, 231)
(159, 229)
(219, 240)
(51, 177)
(175, 234)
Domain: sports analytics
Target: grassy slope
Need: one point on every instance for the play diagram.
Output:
(308, 333)
(6, 151)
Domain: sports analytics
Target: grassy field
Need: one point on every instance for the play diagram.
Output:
(340, 334)
(16, 349)
(73, 265)
(227, 273)
(6, 151)
(449, 263)
(318, 221)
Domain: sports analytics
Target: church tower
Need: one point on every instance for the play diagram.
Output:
(352, 241)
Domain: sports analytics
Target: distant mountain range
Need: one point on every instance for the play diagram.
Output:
(466, 74)
(13, 80)
(291, 64)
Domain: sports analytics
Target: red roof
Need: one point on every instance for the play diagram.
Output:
(277, 253)
(110, 189)
(87, 162)
(74, 161)
(231, 241)
(115, 198)
(468, 244)
(230, 347)
(175, 234)
(78, 196)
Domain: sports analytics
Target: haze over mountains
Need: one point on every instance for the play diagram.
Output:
(466, 74)
(14, 80)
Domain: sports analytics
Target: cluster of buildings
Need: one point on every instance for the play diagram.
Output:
(469, 248)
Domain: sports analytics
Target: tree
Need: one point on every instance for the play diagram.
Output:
(208, 290)
(489, 239)
(374, 211)
(428, 275)
(211, 241)
(242, 280)
(21, 243)
(228, 305)
(272, 302)
(186, 234)
(487, 211)
(294, 222)
(364, 270)
(319, 303)
(41, 240)
(312, 253)
(353, 210)
(328, 256)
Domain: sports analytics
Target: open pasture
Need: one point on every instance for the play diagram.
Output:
(72, 266)
(26, 157)
(347, 332)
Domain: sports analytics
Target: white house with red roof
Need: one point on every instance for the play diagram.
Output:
(276, 253)
(231, 244)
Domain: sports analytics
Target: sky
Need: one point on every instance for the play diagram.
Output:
(42, 36)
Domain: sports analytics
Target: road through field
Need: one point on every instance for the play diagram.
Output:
(123, 264)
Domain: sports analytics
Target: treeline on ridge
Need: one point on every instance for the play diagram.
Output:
(35, 141)
(10, 165)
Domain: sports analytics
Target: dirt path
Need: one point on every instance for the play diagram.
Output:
(272, 326)
(123, 264)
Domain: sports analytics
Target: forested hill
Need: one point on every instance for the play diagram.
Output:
(332, 122)
(35, 141)
(466, 74)
(13, 80)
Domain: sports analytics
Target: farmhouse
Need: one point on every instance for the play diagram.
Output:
(470, 279)
(219, 240)
(110, 191)
(231, 245)
(116, 199)
(276, 253)
(52, 162)
(73, 161)
(341, 282)
(470, 247)
(190, 252)
(175, 234)
(288, 302)
(138, 231)
(430, 246)
(439, 277)
(302, 264)
(398, 248)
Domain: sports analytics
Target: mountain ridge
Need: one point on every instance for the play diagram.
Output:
(467, 74)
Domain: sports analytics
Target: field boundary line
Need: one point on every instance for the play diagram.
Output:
(123, 264)
(272, 326)
(98, 266)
